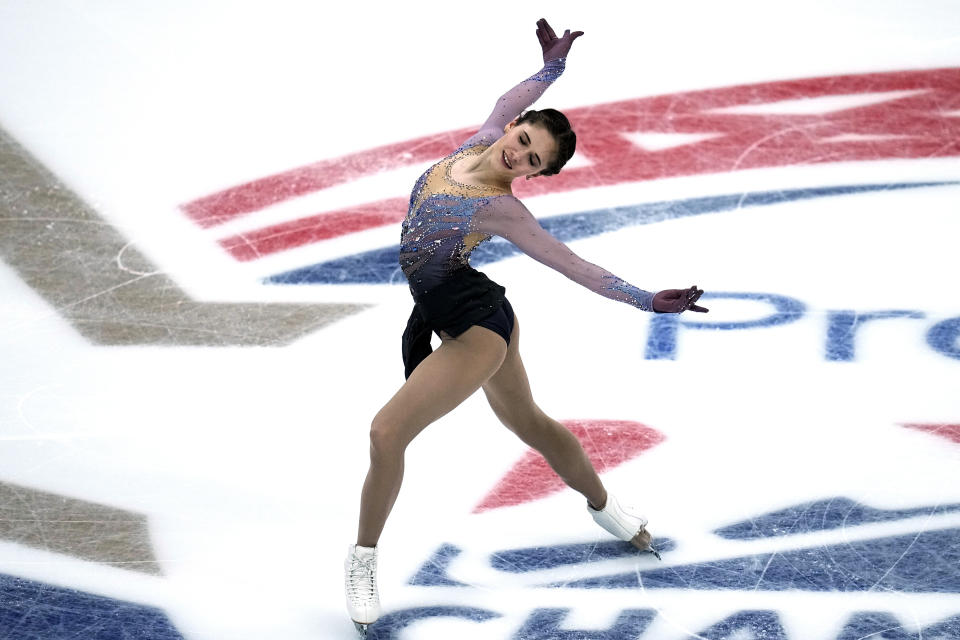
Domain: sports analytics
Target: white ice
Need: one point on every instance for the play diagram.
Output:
(247, 462)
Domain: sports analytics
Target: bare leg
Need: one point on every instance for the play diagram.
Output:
(441, 382)
(508, 392)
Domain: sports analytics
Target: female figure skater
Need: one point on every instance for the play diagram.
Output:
(455, 205)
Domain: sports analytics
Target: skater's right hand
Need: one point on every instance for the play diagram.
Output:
(678, 300)
(554, 47)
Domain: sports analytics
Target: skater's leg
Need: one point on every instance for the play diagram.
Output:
(442, 381)
(508, 392)
(509, 395)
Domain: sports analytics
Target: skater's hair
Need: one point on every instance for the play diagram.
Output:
(559, 127)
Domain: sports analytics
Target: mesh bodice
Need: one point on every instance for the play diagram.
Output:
(441, 228)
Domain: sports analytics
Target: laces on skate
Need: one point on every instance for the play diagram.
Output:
(362, 583)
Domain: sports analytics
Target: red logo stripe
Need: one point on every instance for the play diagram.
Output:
(289, 235)
(949, 431)
(914, 126)
(608, 443)
(226, 205)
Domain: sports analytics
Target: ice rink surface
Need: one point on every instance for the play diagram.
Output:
(202, 313)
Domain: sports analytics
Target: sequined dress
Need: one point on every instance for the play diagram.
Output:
(448, 219)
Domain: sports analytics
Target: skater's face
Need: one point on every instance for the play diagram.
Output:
(525, 149)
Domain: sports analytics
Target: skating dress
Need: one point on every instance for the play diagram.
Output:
(448, 219)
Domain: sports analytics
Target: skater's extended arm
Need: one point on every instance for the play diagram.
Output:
(512, 103)
(508, 218)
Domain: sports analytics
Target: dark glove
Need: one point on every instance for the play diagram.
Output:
(678, 300)
(554, 47)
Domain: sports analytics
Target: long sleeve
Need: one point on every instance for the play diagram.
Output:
(512, 103)
(507, 217)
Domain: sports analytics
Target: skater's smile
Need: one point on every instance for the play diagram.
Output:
(525, 149)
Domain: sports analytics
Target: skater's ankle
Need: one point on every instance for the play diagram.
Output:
(602, 506)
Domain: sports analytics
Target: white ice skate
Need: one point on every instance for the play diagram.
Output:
(623, 525)
(360, 584)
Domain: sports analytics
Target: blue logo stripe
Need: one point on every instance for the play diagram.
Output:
(380, 265)
(822, 516)
(922, 562)
(542, 558)
(35, 611)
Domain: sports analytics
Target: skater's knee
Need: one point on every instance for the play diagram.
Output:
(385, 438)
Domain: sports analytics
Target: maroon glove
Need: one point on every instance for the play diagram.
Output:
(678, 300)
(554, 47)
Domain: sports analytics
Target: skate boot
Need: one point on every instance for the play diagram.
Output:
(623, 525)
(360, 582)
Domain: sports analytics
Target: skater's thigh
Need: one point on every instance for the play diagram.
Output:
(508, 390)
(447, 377)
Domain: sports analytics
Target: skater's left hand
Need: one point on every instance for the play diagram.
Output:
(554, 47)
(678, 300)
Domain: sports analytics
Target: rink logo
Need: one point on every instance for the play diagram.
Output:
(839, 331)
(861, 560)
(896, 115)
(899, 562)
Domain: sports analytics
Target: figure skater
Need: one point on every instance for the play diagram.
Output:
(455, 205)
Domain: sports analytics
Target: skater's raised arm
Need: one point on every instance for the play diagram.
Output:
(508, 218)
(512, 103)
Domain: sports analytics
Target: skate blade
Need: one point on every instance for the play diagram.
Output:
(640, 541)
(361, 628)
